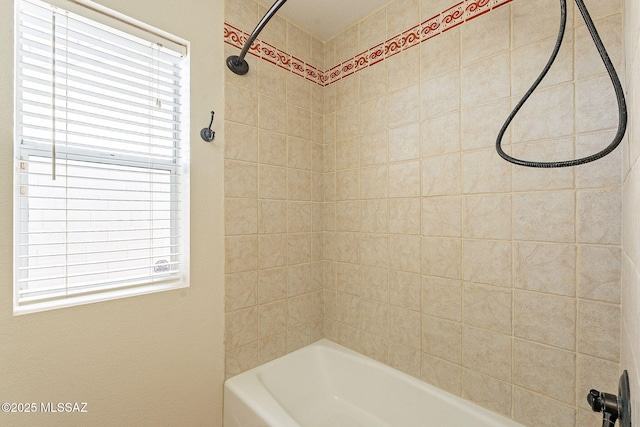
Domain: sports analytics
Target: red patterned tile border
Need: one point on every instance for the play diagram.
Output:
(457, 14)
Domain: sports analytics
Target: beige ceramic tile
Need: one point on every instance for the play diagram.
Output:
(442, 216)
(441, 175)
(404, 253)
(531, 409)
(374, 182)
(241, 253)
(375, 284)
(442, 257)
(480, 124)
(488, 308)
(599, 330)
(240, 290)
(404, 179)
(298, 248)
(442, 374)
(272, 285)
(299, 153)
(375, 317)
(272, 250)
(374, 250)
(404, 142)
(272, 182)
(440, 55)
(529, 60)
(241, 105)
(347, 154)
(241, 359)
(599, 218)
(374, 346)
(442, 298)
(405, 359)
(374, 115)
(347, 122)
(485, 172)
(273, 148)
(486, 81)
(374, 148)
(348, 216)
(375, 216)
(240, 179)
(487, 352)
(272, 347)
(241, 142)
(543, 179)
(405, 327)
(402, 69)
(487, 391)
(548, 216)
(595, 105)
(599, 273)
(487, 216)
(442, 338)
(241, 327)
(348, 185)
(405, 290)
(298, 217)
(440, 95)
(487, 262)
(548, 268)
(548, 113)
(545, 370)
(348, 278)
(272, 319)
(528, 26)
(544, 318)
(404, 106)
(404, 216)
(299, 184)
(485, 36)
(241, 216)
(440, 135)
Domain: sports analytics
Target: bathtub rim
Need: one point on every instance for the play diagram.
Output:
(248, 387)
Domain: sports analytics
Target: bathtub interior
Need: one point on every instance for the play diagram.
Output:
(327, 385)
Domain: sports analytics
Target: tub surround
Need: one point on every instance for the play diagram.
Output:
(372, 209)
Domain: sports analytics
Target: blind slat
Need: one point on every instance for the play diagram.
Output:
(102, 108)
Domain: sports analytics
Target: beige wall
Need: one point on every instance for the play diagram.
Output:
(631, 198)
(148, 360)
(497, 283)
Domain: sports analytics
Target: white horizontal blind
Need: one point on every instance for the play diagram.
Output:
(100, 188)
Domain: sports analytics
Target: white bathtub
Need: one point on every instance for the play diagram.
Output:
(327, 385)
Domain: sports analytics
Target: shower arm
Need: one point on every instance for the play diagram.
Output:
(237, 63)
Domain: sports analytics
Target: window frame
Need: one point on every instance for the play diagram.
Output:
(178, 172)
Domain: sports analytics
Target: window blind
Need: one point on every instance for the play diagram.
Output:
(101, 186)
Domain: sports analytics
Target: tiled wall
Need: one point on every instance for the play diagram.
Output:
(273, 199)
(438, 258)
(631, 202)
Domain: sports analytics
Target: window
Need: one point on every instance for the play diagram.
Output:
(101, 184)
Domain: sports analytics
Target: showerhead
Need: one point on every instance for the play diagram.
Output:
(237, 65)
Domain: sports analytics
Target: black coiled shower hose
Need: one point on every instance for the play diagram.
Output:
(622, 106)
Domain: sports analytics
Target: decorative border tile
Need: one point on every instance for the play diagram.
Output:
(461, 12)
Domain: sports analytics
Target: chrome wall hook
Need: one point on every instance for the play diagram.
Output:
(206, 133)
